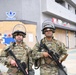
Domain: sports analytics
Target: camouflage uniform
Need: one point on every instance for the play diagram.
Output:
(41, 56)
(47, 65)
(22, 52)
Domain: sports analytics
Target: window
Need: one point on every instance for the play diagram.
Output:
(69, 7)
(61, 2)
(75, 11)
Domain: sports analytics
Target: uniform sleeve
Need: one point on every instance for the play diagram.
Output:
(30, 62)
(4, 56)
(36, 54)
(63, 52)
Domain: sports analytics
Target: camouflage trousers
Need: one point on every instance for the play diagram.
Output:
(31, 72)
(13, 71)
(48, 70)
(11, 74)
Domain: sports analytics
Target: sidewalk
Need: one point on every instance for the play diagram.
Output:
(70, 62)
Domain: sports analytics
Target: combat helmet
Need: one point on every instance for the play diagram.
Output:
(48, 24)
(19, 29)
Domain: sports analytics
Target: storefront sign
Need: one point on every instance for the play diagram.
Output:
(59, 21)
(10, 15)
(54, 20)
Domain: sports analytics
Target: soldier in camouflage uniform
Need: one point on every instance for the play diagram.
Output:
(21, 51)
(41, 57)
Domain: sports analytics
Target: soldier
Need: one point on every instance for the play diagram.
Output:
(21, 51)
(41, 56)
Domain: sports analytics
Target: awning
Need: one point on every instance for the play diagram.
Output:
(66, 28)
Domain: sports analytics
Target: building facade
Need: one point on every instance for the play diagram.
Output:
(61, 12)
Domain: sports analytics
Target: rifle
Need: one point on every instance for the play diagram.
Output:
(21, 67)
(55, 57)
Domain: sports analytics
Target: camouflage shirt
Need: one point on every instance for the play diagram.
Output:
(54, 45)
(22, 53)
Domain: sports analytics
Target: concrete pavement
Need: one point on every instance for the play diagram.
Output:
(70, 62)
